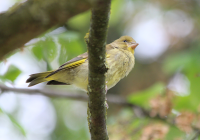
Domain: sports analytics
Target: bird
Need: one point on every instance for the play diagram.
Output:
(120, 61)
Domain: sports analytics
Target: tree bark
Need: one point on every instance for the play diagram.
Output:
(97, 69)
(26, 21)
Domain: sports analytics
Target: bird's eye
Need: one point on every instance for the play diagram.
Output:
(125, 40)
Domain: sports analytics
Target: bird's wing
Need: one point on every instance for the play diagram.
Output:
(74, 62)
(80, 59)
(77, 61)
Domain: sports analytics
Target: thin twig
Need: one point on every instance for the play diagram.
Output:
(64, 94)
(46, 92)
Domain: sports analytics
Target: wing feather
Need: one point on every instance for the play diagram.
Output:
(77, 61)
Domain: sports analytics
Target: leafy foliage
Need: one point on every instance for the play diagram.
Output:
(70, 47)
(12, 73)
(141, 98)
(45, 49)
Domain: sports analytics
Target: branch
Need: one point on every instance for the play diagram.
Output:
(97, 69)
(46, 92)
(32, 18)
(63, 94)
(117, 100)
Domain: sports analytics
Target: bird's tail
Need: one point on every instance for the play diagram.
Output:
(38, 78)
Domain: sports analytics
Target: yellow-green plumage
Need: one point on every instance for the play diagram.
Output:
(38, 78)
(120, 61)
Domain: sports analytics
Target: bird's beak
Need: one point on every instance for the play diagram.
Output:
(134, 45)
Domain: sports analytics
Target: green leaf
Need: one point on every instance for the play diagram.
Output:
(142, 98)
(45, 49)
(191, 69)
(37, 51)
(15, 122)
(173, 133)
(12, 73)
(191, 102)
(69, 49)
(176, 62)
(49, 49)
(185, 103)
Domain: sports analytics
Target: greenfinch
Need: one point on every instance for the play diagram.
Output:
(119, 59)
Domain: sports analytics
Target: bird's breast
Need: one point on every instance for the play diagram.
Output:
(120, 63)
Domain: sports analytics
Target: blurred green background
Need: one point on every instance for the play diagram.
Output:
(167, 58)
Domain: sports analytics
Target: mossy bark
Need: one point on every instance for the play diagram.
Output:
(26, 21)
(97, 69)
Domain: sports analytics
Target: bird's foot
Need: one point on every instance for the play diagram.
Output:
(106, 89)
(106, 104)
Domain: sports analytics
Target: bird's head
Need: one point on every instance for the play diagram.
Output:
(126, 43)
